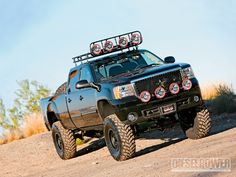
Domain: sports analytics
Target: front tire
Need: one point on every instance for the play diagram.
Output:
(119, 138)
(64, 141)
(201, 125)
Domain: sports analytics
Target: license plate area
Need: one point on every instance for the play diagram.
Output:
(167, 109)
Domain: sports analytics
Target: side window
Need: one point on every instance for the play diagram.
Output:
(86, 74)
(73, 79)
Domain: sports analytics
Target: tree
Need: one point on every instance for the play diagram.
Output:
(4, 122)
(27, 101)
(2, 113)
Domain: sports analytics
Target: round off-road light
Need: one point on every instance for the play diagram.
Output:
(160, 92)
(174, 88)
(145, 96)
(96, 49)
(135, 39)
(108, 46)
(187, 84)
(123, 42)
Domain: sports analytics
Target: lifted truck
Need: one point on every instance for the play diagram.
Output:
(113, 95)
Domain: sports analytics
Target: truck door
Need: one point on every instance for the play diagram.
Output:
(87, 100)
(73, 99)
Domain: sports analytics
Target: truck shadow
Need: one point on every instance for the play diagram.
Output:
(172, 136)
(176, 135)
(157, 147)
(91, 146)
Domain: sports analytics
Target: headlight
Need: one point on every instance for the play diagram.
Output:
(187, 73)
(123, 91)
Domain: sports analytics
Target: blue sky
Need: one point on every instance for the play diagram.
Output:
(38, 38)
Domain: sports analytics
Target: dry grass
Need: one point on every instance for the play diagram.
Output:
(209, 91)
(11, 135)
(33, 124)
(2, 141)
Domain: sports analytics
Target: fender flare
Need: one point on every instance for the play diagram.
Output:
(52, 114)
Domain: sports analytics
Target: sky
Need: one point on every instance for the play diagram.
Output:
(38, 38)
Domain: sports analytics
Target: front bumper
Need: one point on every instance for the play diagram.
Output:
(153, 109)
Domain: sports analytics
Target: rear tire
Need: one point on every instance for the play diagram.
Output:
(201, 125)
(64, 141)
(119, 138)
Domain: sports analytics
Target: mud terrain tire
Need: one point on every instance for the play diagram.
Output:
(201, 126)
(64, 141)
(119, 138)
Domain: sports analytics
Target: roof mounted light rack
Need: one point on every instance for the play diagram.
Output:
(81, 58)
(110, 45)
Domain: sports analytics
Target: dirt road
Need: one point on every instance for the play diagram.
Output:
(35, 156)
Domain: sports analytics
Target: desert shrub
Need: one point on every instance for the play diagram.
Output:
(209, 92)
(33, 124)
(23, 119)
(11, 135)
(224, 101)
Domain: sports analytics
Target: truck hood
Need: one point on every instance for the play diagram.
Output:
(128, 77)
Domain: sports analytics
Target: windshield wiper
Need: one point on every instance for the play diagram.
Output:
(118, 75)
(146, 66)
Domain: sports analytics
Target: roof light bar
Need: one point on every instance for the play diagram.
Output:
(108, 46)
(96, 49)
(123, 42)
(136, 39)
(112, 44)
(116, 43)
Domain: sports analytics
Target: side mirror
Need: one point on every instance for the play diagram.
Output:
(85, 84)
(169, 59)
(82, 84)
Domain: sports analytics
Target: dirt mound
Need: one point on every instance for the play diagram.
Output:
(36, 156)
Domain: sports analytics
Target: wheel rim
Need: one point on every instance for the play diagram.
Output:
(113, 139)
(59, 142)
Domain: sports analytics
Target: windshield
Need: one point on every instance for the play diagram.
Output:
(124, 63)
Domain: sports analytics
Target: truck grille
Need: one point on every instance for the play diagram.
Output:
(164, 80)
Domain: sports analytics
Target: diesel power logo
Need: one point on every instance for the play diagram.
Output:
(201, 165)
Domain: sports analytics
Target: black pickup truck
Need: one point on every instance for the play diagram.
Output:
(117, 91)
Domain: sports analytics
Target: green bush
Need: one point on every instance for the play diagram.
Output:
(224, 101)
(27, 101)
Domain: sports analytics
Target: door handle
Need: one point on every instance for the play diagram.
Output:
(81, 98)
(69, 100)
